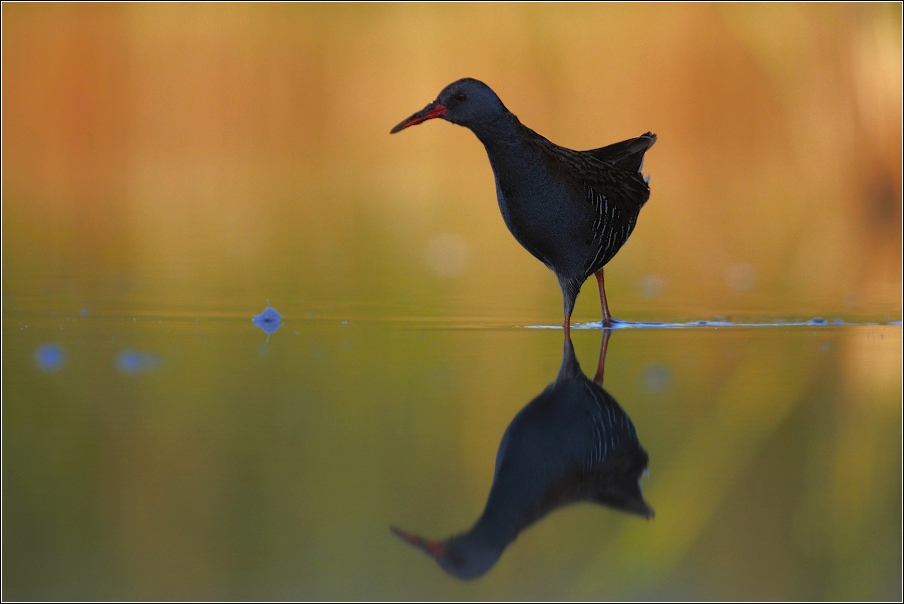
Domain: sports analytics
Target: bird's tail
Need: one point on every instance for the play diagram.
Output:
(627, 155)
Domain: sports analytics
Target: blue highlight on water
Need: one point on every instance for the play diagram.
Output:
(131, 361)
(269, 320)
(50, 357)
(657, 378)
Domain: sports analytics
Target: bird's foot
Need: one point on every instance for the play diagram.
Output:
(610, 323)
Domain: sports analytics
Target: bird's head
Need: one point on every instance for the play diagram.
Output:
(467, 102)
(462, 556)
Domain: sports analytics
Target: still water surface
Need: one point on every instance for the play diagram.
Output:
(197, 457)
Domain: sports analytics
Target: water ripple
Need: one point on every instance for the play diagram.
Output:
(815, 321)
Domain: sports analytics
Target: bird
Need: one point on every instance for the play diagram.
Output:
(571, 443)
(572, 210)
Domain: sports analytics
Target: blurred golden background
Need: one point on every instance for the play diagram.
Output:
(167, 168)
(195, 153)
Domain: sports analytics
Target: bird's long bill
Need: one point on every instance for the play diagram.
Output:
(434, 548)
(429, 112)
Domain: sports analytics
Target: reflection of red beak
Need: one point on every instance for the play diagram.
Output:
(434, 548)
(429, 112)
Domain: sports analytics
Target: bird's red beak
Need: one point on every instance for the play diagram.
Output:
(429, 112)
(434, 548)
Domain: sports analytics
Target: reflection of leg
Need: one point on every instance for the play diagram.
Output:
(607, 318)
(569, 295)
(601, 365)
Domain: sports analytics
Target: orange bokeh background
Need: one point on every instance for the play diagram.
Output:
(190, 144)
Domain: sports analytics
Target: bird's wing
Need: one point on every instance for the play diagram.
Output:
(615, 197)
(626, 188)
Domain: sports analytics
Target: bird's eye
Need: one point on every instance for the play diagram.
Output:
(459, 96)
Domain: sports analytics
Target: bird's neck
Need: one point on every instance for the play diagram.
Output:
(493, 531)
(498, 133)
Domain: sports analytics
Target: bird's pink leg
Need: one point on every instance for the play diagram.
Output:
(607, 318)
(566, 326)
(601, 364)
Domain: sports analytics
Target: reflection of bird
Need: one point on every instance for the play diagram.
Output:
(573, 210)
(572, 443)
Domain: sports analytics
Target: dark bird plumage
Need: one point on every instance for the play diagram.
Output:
(572, 443)
(573, 210)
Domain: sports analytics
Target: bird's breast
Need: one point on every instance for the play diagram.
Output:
(539, 214)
